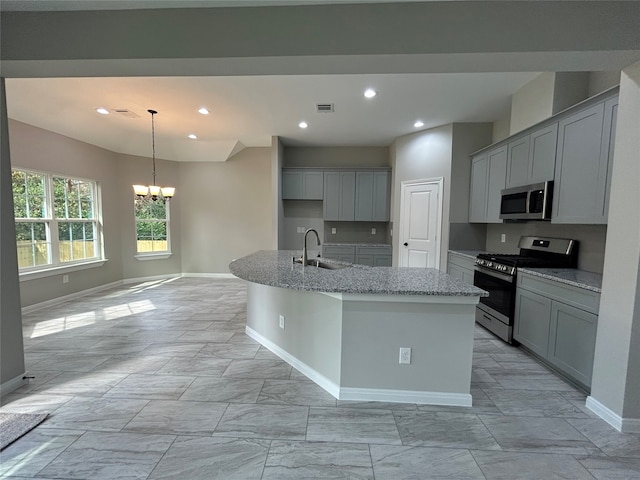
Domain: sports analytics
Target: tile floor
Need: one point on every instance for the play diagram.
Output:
(158, 380)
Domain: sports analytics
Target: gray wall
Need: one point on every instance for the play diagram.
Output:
(39, 149)
(332, 157)
(138, 170)
(442, 152)
(422, 155)
(467, 138)
(226, 210)
(11, 346)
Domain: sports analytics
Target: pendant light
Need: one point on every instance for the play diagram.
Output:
(153, 190)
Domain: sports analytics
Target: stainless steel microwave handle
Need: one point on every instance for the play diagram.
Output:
(527, 207)
(492, 273)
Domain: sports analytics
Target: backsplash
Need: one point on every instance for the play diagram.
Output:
(357, 232)
(303, 214)
(591, 237)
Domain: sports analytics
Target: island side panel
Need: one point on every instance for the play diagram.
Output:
(440, 337)
(313, 327)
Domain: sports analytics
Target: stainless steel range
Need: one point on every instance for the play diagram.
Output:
(496, 273)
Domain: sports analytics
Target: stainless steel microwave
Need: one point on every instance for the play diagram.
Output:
(530, 202)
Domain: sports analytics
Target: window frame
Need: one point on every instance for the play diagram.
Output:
(159, 254)
(56, 266)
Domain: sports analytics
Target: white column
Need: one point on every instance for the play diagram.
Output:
(615, 391)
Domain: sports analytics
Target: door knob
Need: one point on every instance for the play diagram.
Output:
(406, 244)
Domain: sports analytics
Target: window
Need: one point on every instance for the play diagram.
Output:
(56, 220)
(152, 226)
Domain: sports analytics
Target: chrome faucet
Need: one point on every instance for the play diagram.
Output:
(305, 259)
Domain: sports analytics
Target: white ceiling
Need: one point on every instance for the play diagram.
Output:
(247, 111)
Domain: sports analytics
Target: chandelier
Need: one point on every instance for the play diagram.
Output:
(154, 191)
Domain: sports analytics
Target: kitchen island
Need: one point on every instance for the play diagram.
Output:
(344, 328)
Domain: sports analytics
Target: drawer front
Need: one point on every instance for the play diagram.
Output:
(574, 296)
(339, 250)
(384, 250)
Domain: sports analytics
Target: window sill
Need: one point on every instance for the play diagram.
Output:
(152, 256)
(60, 270)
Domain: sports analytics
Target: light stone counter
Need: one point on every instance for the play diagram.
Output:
(344, 328)
(570, 276)
(276, 269)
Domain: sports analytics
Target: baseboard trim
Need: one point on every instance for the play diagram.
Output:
(624, 425)
(406, 396)
(330, 386)
(362, 394)
(153, 278)
(71, 296)
(13, 384)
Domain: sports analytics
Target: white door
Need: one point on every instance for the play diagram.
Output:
(420, 221)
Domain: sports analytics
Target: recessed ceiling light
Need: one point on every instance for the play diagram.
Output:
(203, 111)
(102, 111)
(303, 125)
(193, 136)
(370, 93)
(418, 124)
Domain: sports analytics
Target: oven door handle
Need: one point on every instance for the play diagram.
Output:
(491, 273)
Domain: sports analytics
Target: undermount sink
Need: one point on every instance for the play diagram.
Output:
(314, 262)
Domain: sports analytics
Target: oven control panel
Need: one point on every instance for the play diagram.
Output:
(481, 262)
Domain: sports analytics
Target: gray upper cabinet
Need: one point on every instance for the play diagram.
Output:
(531, 158)
(302, 185)
(478, 194)
(339, 196)
(542, 154)
(488, 172)
(372, 196)
(582, 173)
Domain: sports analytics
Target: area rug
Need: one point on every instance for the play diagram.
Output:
(15, 425)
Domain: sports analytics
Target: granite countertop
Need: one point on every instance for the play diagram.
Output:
(570, 276)
(467, 253)
(276, 268)
(355, 244)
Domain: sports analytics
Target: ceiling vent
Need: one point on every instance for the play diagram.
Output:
(324, 108)
(126, 113)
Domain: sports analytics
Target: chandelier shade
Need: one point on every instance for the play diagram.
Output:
(154, 191)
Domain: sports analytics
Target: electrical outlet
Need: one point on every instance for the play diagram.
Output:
(282, 322)
(405, 355)
(373, 231)
(503, 237)
(65, 278)
(333, 231)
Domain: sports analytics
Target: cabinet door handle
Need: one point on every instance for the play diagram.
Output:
(406, 244)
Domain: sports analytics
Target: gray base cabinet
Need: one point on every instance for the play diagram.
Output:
(461, 267)
(343, 253)
(534, 318)
(373, 256)
(558, 322)
(572, 341)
